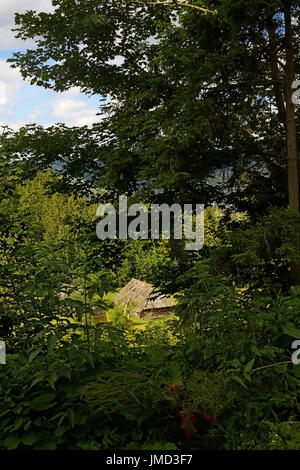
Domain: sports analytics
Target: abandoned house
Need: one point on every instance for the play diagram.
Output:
(141, 300)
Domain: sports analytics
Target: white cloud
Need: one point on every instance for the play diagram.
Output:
(10, 83)
(7, 13)
(73, 112)
(118, 60)
(68, 107)
(74, 91)
(14, 125)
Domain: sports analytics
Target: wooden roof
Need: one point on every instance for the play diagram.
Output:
(142, 296)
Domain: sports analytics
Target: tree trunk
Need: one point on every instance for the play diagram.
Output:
(293, 165)
(293, 175)
(275, 73)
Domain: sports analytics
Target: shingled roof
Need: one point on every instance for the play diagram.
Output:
(143, 297)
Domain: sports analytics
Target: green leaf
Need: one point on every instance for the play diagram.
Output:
(52, 379)
(34, 354)
(51, 342)
(71, 416)
(49, 444)
(291, 330)
(39, 377)
(89, 358)
(43, 402)
(297, 370)
(30, 438)
(12, 442)
(18, 423)
(240, 381)
(249, 366)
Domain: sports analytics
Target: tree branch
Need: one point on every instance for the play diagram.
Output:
(182, 3)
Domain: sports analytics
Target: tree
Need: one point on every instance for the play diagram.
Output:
(158, 112)
(286, 111)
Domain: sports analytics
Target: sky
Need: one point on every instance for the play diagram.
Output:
(22, 103)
